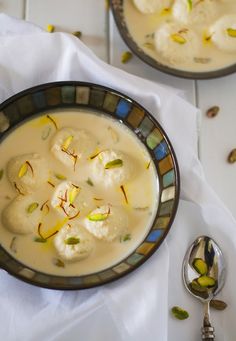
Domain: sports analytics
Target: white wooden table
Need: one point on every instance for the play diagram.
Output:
(216, 137)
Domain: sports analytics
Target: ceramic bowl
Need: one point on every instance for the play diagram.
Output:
(92, 97)
(117, 7)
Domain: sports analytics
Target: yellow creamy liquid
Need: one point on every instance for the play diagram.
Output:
(142, 26)
(142, 190)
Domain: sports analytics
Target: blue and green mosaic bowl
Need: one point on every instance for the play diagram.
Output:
(93, 97)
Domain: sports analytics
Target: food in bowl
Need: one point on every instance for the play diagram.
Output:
(79, 197)
(189, 35)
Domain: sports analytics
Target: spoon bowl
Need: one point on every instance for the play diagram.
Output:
(204, 275)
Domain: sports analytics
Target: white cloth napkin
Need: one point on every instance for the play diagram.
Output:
(135, 308)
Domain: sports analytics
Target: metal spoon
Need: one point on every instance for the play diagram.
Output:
(208, 251)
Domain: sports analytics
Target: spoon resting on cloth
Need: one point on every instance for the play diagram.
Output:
(204, 274)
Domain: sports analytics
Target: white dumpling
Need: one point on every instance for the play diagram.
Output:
(73, 243)
(22, 215)
(176, 43)
(71, 200)
(111, 168)
(69, 145)
(107, 222)
(195, 11)
(151, 6)
(223, 33)
(27, 172)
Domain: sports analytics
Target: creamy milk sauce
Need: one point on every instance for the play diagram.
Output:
(141, 190)
(209, 58)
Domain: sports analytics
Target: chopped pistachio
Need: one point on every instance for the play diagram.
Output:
(67, 142)
(202, 60)
(32, 207)
(177, 38)
(50, 28)
(23, 170)
(40, 240)
(73, 194)
(149, 45)
(60, 176)
(89, 182)
(213, 111)
(232, 156)
(125, 238)
(206, 281)
(114, 164)
(1, 173)
(45, 133)
(179, 313)
(72, 241)
(231, 32)
(196, 287)
(78, 34)
(190, 4)
(126, 56)
(218, 304)
(98, 216)
(58, 262)
(200, 266)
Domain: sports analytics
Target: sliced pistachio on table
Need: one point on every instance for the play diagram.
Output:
(126, 56)
(179, 313)
(50, 28)
(77, 34)
(232, 156)
(218, 304)
(213, 111)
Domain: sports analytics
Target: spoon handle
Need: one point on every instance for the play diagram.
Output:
(207, 329)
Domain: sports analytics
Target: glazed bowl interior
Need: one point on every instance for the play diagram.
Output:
(104, 101)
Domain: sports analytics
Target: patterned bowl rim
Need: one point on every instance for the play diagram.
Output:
(60, 84)
(117, 9)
